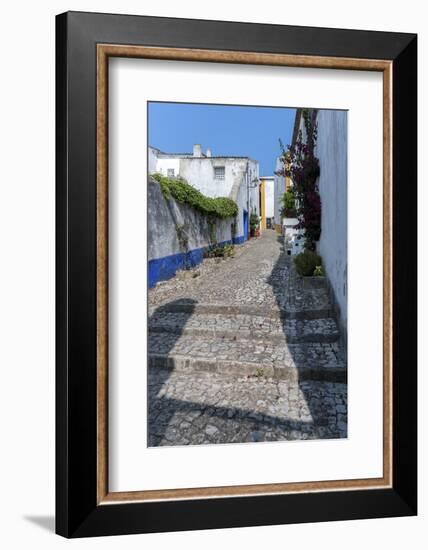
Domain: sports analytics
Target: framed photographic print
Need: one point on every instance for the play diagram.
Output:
(236, 274)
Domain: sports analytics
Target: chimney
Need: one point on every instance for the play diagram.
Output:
(197, 150)
(208, 153)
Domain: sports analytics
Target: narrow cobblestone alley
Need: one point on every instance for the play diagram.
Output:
(241, 350)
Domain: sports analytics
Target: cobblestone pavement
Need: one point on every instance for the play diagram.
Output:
(245, 356)
(258, 276)
(244, 351)
(245, 326)
(210, 408)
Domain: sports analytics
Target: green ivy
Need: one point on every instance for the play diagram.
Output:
(181, 191)
(220, 251)
(288, 202)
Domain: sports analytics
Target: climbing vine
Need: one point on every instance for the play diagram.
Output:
(183, 241)
(181, 191)
(212, 237)
(302, 166)
(182, 237)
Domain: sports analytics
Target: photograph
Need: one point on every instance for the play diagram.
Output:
(212, 275)
(247, 273)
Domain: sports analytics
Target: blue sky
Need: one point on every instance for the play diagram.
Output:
(225, 129)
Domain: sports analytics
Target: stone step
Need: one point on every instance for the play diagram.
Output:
(244, 309)
(207, 407)
(252, 327)
(305, 361)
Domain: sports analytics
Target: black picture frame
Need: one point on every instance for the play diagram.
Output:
(77, 511)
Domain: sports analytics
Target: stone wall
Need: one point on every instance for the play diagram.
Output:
(240, 182)
(165, 253)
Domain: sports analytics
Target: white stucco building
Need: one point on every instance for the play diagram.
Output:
(235, 177)
(267, 202)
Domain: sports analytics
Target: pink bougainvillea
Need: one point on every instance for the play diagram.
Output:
(302, 166)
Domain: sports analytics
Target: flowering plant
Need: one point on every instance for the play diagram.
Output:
(302, 166)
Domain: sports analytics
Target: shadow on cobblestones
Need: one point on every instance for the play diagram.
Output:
(174, 422)
(226, 367)
(158, 423)
(285, 283)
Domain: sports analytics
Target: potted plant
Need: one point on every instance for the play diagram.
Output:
(254, 224)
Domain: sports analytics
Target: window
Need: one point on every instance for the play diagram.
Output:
(170, 172)
(219, 172)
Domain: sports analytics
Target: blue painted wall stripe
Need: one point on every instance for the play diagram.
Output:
(162, 269)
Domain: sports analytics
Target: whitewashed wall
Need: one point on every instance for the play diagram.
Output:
(331, 149)
(254, 190)
(163, 216)
(269, 198)
(241, 201)
(237, 184)
(255, 199)
(164, 164)
(199, 172)
(152, 160)
(166, 255)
